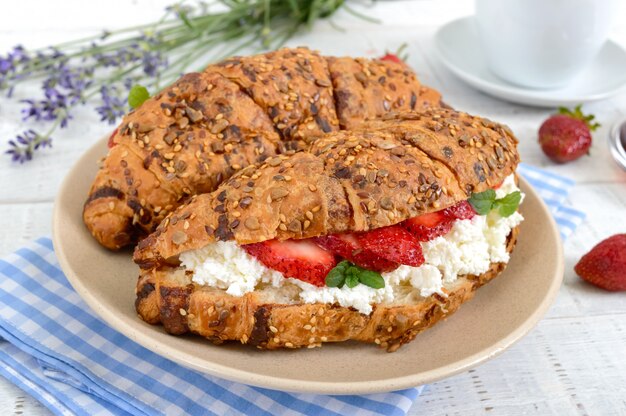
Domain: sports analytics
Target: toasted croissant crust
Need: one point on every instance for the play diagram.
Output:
(269, 319)
(366, 90)
(198, 132)
(375, 176)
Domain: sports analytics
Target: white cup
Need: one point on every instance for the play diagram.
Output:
(542, 43)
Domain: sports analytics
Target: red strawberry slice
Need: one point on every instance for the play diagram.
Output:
(428, 226)
(461, 211)
(348, 246)
(111, 143)
(392, 57)
(393, 243)
(434, 224)
(300, 259)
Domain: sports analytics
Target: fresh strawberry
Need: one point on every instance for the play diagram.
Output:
(393, 243)
(566, 136)
(428, 226)
(434, 224)
(461, 211)
(605, 265)
(111, 143)
(392, 57)
(300, 259)
(350, 248)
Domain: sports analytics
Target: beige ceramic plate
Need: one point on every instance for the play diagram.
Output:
(501, 313)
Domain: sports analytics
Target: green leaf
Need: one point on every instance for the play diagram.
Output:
(336, 277)
(353, 271)
(183, 16)
(352, 280)
(482, 202)
(351, 275)
(507, 205)
(577, 113)
(137, 95)
(371, 279)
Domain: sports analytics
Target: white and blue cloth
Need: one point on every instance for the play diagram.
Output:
(554, 190)
(60, 352)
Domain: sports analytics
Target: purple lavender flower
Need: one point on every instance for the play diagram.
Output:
(112, 105)
(53, 107)
(14, 58)
(24, 145)
(74, 80)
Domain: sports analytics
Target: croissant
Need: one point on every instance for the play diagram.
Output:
(198, 132)
(350, 183)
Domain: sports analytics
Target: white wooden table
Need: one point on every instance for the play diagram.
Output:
(573, 362)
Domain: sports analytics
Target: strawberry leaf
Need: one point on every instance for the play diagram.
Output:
(578, 114)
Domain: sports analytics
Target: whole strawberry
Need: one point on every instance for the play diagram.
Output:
(392, 57)
(398, 56)
(605, 265)
(567, 136)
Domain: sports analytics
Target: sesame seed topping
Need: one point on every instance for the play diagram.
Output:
(179, 237)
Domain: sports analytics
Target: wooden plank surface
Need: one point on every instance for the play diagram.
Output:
(573, 362)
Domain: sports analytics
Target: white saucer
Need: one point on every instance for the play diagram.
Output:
(458, 46)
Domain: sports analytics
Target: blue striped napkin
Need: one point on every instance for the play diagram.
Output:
(554, 190)
(58, 351)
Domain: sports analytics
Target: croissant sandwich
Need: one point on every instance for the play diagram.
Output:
(195, 134)
(373, 234)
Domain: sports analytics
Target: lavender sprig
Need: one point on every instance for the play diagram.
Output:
(22, 148)
(102, 69)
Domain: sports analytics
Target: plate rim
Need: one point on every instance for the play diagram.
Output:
(338, 388)
(510, 92)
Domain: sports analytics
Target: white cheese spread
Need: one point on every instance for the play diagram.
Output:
(469, 248)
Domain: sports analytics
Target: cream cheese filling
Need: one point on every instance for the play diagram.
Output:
(469, 248)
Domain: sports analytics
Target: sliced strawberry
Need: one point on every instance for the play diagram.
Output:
(300, 259)
(428, 226)
(348, 246)
(392, 57)
(393, 243)
(434, 224)
(461, 211)
(111, 143)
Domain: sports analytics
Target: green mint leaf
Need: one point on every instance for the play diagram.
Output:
(337, 277)
(343, 265)
(482, 202)
(353, 270)
(137, 95)
(507, 205)
(352, 280)
(371, 279)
